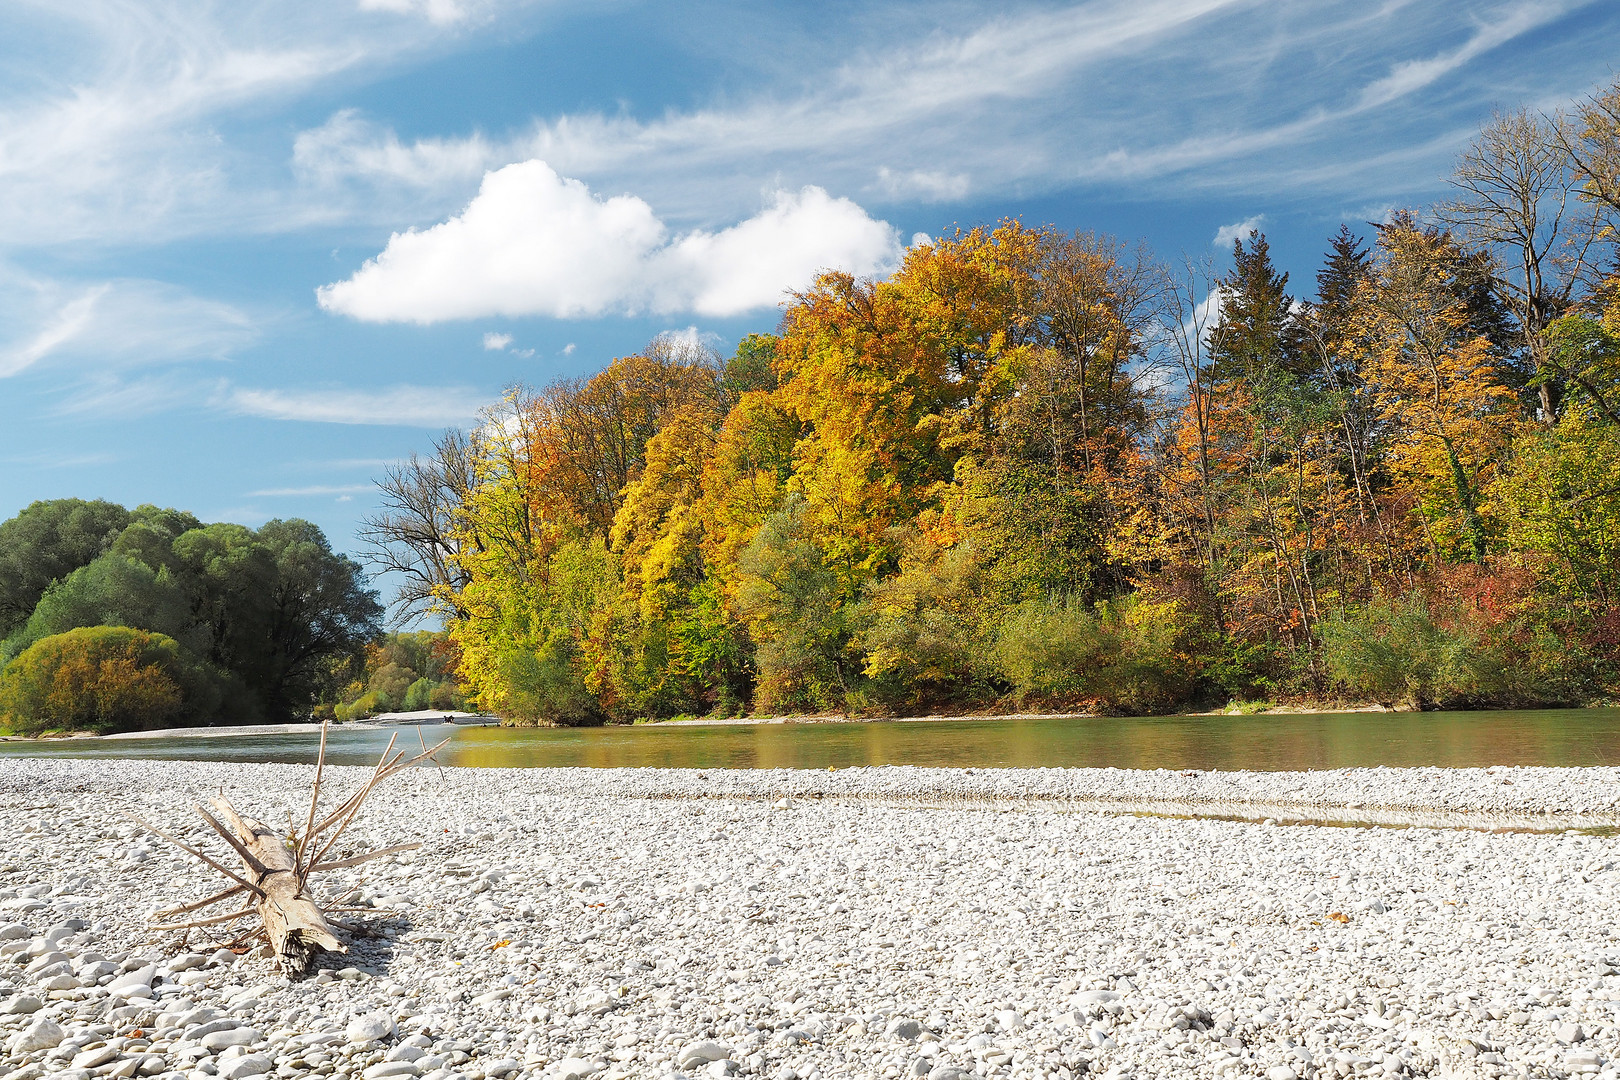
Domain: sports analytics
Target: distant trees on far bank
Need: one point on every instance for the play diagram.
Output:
(113, 618)
(1040, 467)
(409, 671)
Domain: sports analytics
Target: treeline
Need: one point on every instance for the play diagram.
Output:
(116, 619)
(1042, 467)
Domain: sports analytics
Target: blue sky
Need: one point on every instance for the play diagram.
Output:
(252, 252)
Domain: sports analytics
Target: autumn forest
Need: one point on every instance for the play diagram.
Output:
(1042, 469)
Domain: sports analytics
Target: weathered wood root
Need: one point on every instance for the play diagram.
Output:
(296, 924)
(276, 869)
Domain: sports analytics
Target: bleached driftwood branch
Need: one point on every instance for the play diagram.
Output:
(276, 869)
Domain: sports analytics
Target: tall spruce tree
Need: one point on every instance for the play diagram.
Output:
(1320, 325)
(1343, 271)
(1254, 339)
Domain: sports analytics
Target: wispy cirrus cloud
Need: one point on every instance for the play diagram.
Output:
(115, 396)
(402, 406)
(112, 138)
(118, 323)
(137, 131)
(440, 12)
(135, 121)
(310, 489)
(56, 459)
(1265, 98)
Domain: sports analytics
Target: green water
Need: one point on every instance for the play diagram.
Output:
(1322, 741)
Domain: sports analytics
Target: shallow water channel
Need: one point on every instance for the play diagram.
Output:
(1266, 743)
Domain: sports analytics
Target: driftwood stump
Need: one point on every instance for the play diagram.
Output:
(276, 869)
(294, 922)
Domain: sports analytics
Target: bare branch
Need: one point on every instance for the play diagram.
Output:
(182, 909)
(189, 850)
(383, 772)
(314, 798)
(232, 917)
(241, 849)
(358, 859)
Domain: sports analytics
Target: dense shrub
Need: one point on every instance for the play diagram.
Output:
(114, 590)
(1394, 651)
(923, 629)
(368, 704)
(394, 682)
(274, 608)
(1125, 655)
(417, 695)
(410, 670)
(105, 679)
(46, 542)
(1056, 650)
(794, 602)
(1561, 505)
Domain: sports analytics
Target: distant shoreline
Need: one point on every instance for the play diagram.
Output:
(434, 718)
(220, 731)
(932, 718)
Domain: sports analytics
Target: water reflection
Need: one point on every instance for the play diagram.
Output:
(1325, 741)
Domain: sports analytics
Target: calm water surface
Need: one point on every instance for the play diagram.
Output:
(1323, 741)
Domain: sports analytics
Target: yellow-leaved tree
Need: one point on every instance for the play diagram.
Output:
(1436, 383)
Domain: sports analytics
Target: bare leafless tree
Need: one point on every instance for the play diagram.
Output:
(1094, 301)
(415, 534)
(1520, 204)
(1592, 143)
(1189, 308)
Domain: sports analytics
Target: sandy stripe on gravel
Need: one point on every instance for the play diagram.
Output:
(886, 922)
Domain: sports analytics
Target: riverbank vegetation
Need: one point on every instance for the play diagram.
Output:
(1042, 467)
(408, 671)
(116, 619)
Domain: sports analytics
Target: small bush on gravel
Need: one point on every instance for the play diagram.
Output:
(105, 679)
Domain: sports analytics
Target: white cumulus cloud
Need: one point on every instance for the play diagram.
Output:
(532, 242)
(494, 342)
(1238, 230)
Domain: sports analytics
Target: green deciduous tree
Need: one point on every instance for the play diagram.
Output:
(47, 541)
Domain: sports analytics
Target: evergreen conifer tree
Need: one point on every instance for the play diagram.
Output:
(1254, 339)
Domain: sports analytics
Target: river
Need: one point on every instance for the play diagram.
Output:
(1264, 742)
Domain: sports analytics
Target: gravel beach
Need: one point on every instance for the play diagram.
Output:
(888, 922)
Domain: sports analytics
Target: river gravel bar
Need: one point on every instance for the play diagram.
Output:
(797, 925)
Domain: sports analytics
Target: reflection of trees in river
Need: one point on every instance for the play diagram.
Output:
(1325, 741)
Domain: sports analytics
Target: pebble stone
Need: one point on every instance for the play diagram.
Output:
(372, 1027)
(576, 924)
